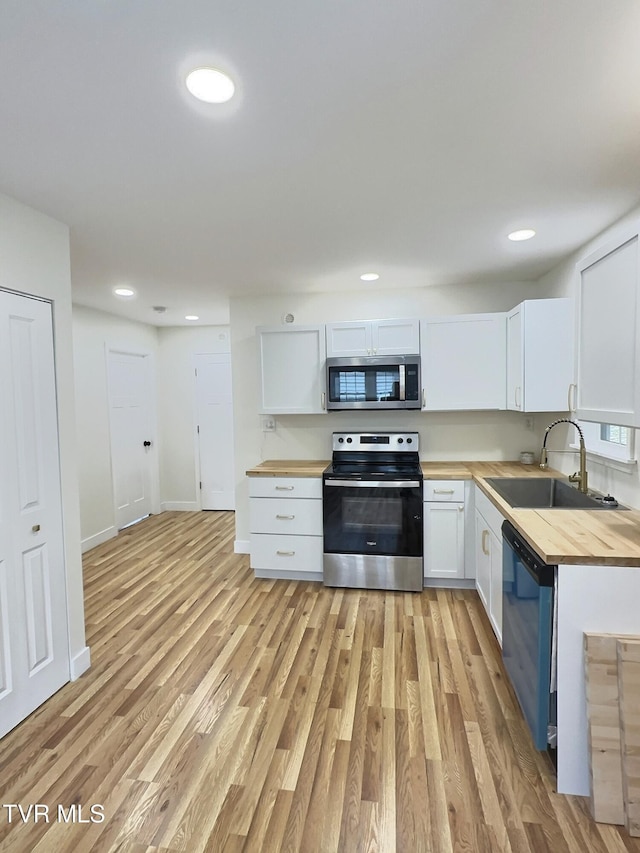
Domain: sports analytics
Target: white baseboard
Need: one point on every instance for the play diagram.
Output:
(98, 538)
(287, 575)
(450, 583)
(80, 663)
(179, 506)
(241, 546)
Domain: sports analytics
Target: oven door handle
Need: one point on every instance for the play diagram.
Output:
(377, 484)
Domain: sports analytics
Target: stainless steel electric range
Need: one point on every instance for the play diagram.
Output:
(372, 510)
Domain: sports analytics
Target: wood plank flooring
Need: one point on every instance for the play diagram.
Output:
(225, 713)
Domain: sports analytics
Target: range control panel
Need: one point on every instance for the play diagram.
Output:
(390, 441)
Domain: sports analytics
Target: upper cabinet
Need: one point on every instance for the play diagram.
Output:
(540, 348)
(292, 369)
(464, 362)
(373, 337)
(608, 350)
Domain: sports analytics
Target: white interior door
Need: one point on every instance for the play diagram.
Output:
(132, 448)
(215, 430)
(34, 649)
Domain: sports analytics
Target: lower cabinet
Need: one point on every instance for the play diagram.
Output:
(285, 515)
(488, 547)
(444, 529)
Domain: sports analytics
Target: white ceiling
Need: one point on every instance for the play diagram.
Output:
(402, 136)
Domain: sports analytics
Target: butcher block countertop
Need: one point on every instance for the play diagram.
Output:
(289, 468)
(577, 536)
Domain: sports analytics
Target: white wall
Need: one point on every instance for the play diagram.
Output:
(461, 435)
(623, 483)
(176, 409)
(34, 253)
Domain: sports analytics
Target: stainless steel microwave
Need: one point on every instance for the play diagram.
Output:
(374, 382)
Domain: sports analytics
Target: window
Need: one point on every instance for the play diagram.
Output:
(609, 441)
(615, 434)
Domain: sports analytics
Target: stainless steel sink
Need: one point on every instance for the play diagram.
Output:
(545, 493)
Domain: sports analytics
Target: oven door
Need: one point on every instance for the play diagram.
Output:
(373, 517)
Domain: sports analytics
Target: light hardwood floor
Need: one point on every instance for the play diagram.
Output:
(225, 713)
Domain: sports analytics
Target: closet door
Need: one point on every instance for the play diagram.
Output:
(34, 650)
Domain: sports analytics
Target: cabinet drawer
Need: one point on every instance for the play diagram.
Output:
(285, 487)
(299, 516)
(444, 490)
(491, 514)
(286, 553)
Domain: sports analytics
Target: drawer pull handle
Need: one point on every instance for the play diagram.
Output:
(286, 553)
(287, 517)
(443, 491)
(285, 488)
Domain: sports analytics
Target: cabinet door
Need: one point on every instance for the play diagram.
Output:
(292, 378)
(350, 339)
(483, 560)
(608, 351)
(443, 540)
(540, 352)
(396, 337)
(495, 586)
(515, 361)
(464, 362)
(548, 354)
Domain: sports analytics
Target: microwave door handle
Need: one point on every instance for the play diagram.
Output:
(401, 376)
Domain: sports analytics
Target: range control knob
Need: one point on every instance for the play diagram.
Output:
(340, 440)
(409, 440)
(400, 440)
(349, 440)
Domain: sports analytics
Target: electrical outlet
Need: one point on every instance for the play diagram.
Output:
(268, 423)
(528, 424)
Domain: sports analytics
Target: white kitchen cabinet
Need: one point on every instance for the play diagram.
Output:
(285, 515)
(464, 362)
(488, 537)
(292, 369)
(373, 337)
(540, 353)
(608, 323)
(444, 529)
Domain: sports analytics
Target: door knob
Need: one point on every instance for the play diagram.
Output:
(146, 443)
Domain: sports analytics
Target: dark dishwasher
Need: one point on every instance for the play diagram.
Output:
(528, 649)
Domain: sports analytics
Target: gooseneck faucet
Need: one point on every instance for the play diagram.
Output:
(579, 477)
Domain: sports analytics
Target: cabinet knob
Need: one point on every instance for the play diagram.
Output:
(35, 528)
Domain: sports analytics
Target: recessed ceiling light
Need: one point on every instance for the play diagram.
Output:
(210, 85)
(125, 292)
(369, 276)
(191, 317)
(524, 234)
